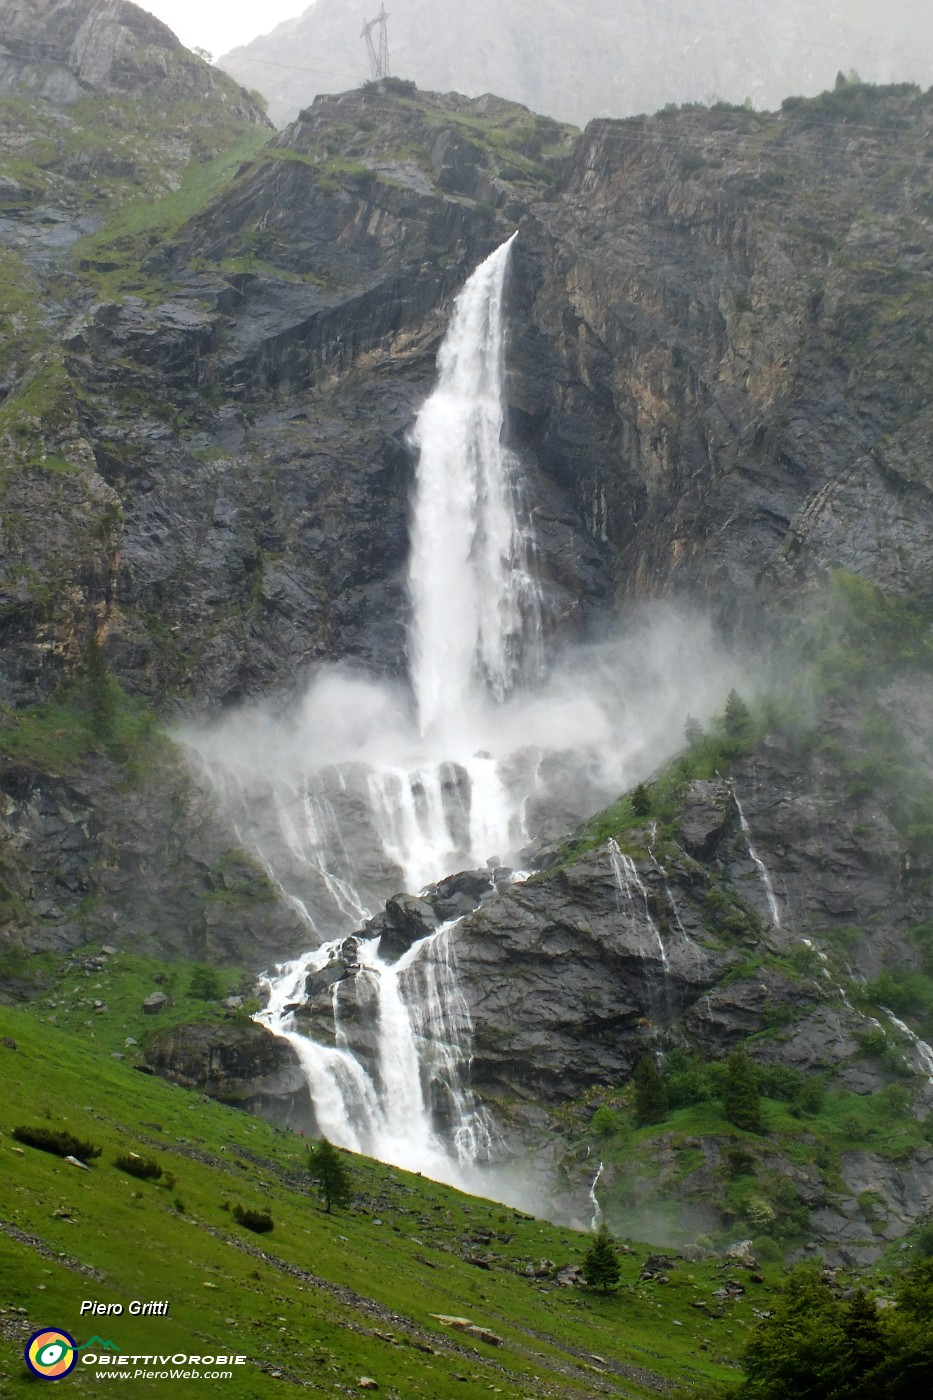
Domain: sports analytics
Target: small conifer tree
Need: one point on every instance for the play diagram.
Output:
(737, 717)
(641, 802)
(204, 984)
(329, 1174)
(650, 1093)
(741, 1101)
(601, 1263)
(693, 730)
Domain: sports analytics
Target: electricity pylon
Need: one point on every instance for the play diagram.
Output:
(378, 61)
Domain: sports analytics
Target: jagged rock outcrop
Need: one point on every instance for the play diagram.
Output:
(567, 976)
(241, 1064)
(150, 868)
(62, 50)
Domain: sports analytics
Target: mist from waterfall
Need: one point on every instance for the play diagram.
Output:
(369, 787)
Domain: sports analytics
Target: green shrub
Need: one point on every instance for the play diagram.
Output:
(873, 1042)
(741, 1101)
(204, 984)
(650, 1093)
(641, 801)
(739, 1162)
(687, 1080)
(779, 1082)
(142, 1167)
(767, 1249)
(58, 1142)
(605, 1121)
(601, 1263)
(923, 1244)
(259, 1221)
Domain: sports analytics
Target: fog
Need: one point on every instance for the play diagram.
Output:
(579, 59)
(345, 780)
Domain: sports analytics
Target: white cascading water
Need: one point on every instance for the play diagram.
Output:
(922, 1051)
(369, 787)
(475, 606)
(476, 630)
(759, 864)
(597, 1208)
(633, 905)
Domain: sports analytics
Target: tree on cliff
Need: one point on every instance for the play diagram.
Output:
(737, 717)
(329, 1174)
(741, 1101)
(650, 1093)
(601, 1263)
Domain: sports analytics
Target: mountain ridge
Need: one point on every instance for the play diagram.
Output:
(576, 61)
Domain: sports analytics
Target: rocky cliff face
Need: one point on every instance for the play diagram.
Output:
(716, 388)
(711, 326)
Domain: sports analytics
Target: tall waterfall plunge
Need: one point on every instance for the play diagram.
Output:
(369, 788)
(476, 608)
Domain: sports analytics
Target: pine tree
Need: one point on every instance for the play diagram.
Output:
(650, 1093)
(641, 802)
(329, 1174)
(601, 1263)
(693, 730)
(737, 717)
(204, 984)
(741, 1101)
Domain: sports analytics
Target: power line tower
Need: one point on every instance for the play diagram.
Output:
(378, 61)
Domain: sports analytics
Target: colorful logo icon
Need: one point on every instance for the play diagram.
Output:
(51, 1354)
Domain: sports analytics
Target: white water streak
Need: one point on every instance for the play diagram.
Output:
(762, 869)
(924, 1052)
(475, 604)
(597, 1208)
(423, 1032)
(633, 902)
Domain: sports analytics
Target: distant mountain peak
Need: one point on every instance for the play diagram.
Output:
(578, 59)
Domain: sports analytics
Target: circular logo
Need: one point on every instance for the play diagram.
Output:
(51, 1353)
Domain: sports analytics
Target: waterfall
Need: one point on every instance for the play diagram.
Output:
(428, 805)
(597, 1208)
(390, 1103)
(367, 786)
(633, 904)
(475, 605)
(924, 1052)
(759, 865)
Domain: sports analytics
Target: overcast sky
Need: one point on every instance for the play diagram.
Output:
(220, 25)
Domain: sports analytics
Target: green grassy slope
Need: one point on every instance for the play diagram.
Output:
(323, 1299)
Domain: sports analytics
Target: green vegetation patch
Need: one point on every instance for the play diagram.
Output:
(115, 255)
(360, 1291)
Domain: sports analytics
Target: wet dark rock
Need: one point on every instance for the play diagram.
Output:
(241, 1064)
(707, 812)
(147, 865)
(459, 894)
(564, 990)
(405, 920)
